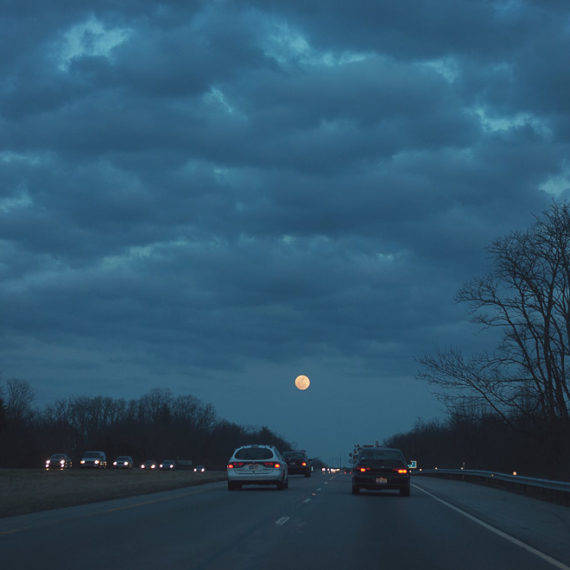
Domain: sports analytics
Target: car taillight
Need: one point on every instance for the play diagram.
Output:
(364, 469)
(304, 464)
(401, 471)
(235, 464)
(272, 464)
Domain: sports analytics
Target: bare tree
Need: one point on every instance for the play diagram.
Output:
(527, 297)
(19, 399)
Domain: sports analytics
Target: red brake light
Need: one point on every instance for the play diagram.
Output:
(401, 471)
(235, 464)
(364, 469)
(304, 464)
(272, 464)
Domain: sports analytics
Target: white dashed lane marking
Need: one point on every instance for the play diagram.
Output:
(281, 521)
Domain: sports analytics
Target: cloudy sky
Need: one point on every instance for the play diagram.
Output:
(216, 196)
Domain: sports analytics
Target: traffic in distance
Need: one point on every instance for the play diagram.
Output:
(375, 468)
(98, 460)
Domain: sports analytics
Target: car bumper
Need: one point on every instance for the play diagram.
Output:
(299, 470)
(255, 479)
(378, 482)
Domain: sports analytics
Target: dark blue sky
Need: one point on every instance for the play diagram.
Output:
(216, 196)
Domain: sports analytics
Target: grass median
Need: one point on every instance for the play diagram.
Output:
(29, 490)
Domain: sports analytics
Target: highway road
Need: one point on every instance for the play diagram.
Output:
(316, 523)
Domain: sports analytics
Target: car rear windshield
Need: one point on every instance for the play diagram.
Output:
(254, 453)
(294, 455)
(92, 454)
(383, 455)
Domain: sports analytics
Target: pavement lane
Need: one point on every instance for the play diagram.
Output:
(316, 523)
(179, 529)
(540, 524)
(384, 530)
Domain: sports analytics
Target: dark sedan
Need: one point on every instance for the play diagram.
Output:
(123, 462)
(58, 461)
(298, 463)
(380, 468)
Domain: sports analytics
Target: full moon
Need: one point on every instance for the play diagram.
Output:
(302, 382)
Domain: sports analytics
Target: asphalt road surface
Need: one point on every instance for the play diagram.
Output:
(316, 523)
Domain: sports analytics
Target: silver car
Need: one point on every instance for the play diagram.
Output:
(257, 465)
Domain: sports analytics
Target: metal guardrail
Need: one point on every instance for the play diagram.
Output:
(541, 488)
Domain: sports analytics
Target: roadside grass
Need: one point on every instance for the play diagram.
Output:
(29, 490)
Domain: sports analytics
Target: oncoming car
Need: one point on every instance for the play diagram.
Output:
(257, 465)
(149, 465)
(168, 465)
(380, 468)
(96, 459)
(58, 461)
(123, 462)
(199, 469)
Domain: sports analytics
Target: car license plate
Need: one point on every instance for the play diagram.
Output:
(381, 481)
(253, 467)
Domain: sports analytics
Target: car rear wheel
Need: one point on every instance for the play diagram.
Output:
(355, 490)
(405, 491)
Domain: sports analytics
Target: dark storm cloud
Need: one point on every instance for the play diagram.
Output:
(222, 189)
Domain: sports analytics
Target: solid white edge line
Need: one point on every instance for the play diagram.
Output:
(512, 539)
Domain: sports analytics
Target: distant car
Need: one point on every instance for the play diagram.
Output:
(199, 469)
(59, 461)
(168, 465)
(380, 468)
(149, 465)
(123, 462)
(95, 459)
(298, 463)
(257, 465)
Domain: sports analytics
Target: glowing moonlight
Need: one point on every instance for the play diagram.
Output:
(302, 382)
